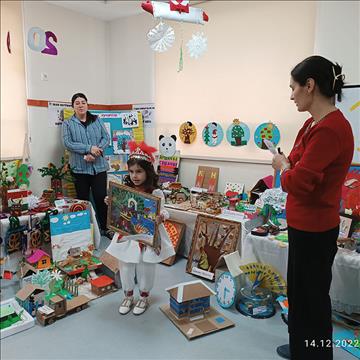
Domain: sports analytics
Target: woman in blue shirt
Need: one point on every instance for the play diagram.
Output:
(86, 138)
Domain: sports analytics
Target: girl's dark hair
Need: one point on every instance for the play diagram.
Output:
(327, 75)
(89, 117)
(151, 182)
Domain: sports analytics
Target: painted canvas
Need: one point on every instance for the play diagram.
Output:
(133, 213)
(212, 238)
(121, 140)
(175, 231)
(68, 231)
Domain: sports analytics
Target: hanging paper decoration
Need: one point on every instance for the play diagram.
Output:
(197, 45)
(8, 42)
(238, 133)
(181, 60)
(212, 134)
(267, 131)
(175, 10)
(187, 132)
(161, 37)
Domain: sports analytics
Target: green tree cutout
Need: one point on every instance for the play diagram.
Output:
(266, 133)
(206, 135)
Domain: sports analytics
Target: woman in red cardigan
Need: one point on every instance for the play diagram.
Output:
(312, 175)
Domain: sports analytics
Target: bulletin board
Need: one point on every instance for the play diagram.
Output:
(117, 154)
(350, 107)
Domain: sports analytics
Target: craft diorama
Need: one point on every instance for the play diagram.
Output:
(175, 231)
(238, 133)
(267, 131)
(69, 231)
(212, 134)
(13, 318)
(131, 212)
(187, 132)
(212, 239)
(190, 310)
(210, 203)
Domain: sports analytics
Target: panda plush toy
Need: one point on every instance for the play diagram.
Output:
(167, 149)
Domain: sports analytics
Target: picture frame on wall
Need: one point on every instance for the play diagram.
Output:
(175, 230)
(212, 239)
(132, 212)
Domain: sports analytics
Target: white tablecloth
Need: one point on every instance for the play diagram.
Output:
(345, 286)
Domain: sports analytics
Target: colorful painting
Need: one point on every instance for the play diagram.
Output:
(187, 132)
(133, 213)
(175, 231)
(267, 131)
(212, 134)
(117, 162)
(68, 231)
(212, 238)
(350, 196)
(121, 140)
(233, 189)
(238, 133)
(345, 226)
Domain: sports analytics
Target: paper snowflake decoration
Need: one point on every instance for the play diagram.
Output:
(56, 275)
(161, 37)
(197, 45)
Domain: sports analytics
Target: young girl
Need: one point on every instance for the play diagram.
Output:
(137, 258)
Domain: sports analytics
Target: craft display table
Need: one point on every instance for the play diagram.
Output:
(188, 217)
(345, 286)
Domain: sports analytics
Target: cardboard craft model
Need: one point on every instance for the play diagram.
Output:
(175, 10)
(190, 310)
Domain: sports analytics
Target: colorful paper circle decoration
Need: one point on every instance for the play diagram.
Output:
(187, 132)
(267, 131)
(238, 133)
(212, 134)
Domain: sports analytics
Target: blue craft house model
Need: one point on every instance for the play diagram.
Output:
(30, 297)
(190, 299)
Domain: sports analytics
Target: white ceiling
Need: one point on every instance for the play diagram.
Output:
(103, 9)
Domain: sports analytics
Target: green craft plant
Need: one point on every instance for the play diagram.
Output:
(61, 172)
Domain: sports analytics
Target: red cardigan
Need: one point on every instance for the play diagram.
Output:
(319, 160)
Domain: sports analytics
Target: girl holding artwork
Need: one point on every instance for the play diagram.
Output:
(138, 259)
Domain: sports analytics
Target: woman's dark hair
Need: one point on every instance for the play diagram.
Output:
(151, 182)
(89, 117)
(327, 75)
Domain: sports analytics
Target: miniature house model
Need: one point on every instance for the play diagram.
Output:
(102, 285)
(39, 259)
(190, 299)
(30, 297)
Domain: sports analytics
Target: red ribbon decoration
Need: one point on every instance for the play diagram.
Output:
(177, 6)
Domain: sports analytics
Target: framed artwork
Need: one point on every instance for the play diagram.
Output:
(346, 226)
(121, 140)
(207, 178)
(238, 133)
(131, 212)
(233, 189)
(267, 131)
(71, 230)
(175, 231)
(187, 132)
(212, 239)
(212, 134)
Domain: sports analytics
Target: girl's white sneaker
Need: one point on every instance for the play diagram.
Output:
(126, 305)
(141, 306)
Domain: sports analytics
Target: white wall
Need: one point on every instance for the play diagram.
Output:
(337, 35)
(80, 66)
(13, 88)
(131, 62)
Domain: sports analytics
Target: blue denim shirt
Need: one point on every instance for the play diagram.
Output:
(79, 139)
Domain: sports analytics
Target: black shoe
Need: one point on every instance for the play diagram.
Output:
(284, 351)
